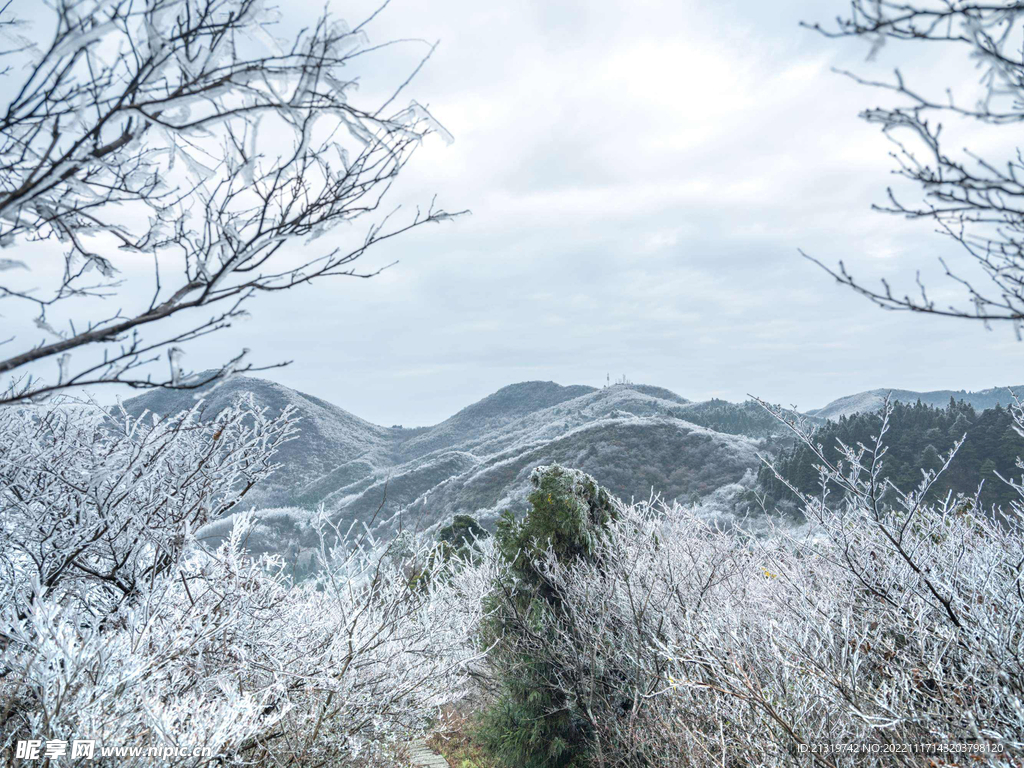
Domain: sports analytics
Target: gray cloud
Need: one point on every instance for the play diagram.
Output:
(641, 175)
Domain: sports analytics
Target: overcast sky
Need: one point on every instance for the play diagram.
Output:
(641, 174)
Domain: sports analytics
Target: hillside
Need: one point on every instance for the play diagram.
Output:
(631, 441)
(493, 412)
(329, 436)
(920, 436)
(632, 438)
(872, 400)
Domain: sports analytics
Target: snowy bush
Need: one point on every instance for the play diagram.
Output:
(96, 506)
(119, 626)
(884, 622)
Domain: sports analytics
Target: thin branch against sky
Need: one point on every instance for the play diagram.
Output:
(627, 215)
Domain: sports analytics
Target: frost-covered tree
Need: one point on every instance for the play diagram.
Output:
(973, 197)
(182, 138)
(97, 506)
(119, 625)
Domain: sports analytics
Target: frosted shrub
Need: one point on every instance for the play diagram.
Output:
(118, 626)
(96, 506)
(884, 622)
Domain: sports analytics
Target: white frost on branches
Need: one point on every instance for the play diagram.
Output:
(119, 626)
(181, 133)
(889, 619)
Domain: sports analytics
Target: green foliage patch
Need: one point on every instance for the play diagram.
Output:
(533, 724)
(919, 435)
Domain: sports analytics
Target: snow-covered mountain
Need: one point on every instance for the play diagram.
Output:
(329, 438)
(632, 438)
(631, 441)
(872, 400)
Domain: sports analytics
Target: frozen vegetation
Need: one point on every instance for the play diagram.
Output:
(587, 630)
(255, 572)
(121, 626)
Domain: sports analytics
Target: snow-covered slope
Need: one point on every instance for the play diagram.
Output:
(630, 455)
(872, 400)
(634, 439)
(492, 413)
(329, 436)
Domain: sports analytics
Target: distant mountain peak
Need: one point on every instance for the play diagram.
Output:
(527, 396)
(872, 400)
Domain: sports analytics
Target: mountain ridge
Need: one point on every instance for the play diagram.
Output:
(872, 400)
(634, 439)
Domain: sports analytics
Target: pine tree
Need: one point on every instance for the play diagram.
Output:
(960, 427)
(930, 458)
(534, 724)
(988, 471)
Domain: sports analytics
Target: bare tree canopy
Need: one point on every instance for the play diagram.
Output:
(182, 137)
(977, 201)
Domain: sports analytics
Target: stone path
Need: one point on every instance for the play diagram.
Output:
(422, 756)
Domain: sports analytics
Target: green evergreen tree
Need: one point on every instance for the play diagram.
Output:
(533, 724)
(960, 427)
(458, 537)
(988, 471)
(930, 458)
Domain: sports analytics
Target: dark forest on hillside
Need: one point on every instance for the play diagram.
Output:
(919, 437)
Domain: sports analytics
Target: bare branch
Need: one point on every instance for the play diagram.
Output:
(181, 131)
